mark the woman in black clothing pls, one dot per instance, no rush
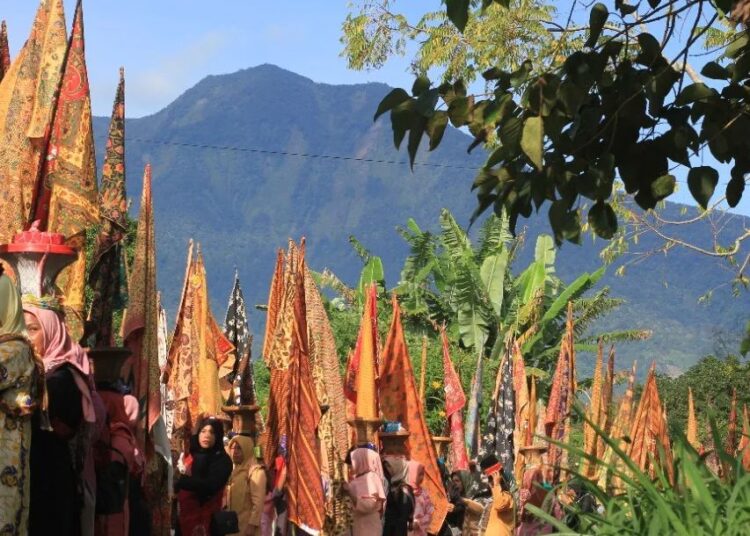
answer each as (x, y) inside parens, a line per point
(200, 489)
(399, 504)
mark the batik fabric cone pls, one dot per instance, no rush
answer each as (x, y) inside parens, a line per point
(4, 50)
(362, 374)
(303, 484)
(167, 407)
(68, 199)
(593, 414)
(497, 439)
(399, 401)
(197, 353)
(523, 422)
(237, 332)
(691, 431)
(557, 420)
(455, 400)
(743, 450)
(620, 428)
(278, 347)
(329, 389)
(28, 94)
(650, 445)
(140, 334)
(605, 416)
(106, 274)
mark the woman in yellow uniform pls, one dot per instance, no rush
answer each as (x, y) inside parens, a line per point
(500, 519)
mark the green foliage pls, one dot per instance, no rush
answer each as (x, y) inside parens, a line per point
(618, 108)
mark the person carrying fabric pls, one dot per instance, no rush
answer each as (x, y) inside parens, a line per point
(200, 488)
(61, 488)
(246, 489)
(500, 521)
(399, 506)
(423, 507)
(534, 490)
(367, 492)
(21, 393)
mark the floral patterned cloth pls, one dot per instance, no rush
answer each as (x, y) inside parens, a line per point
(18, 395)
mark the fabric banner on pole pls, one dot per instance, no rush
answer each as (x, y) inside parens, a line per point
(498, 433)
(455, 400)
(399, 401)
(4, 50)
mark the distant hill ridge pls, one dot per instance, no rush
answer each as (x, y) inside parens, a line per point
(243, 205)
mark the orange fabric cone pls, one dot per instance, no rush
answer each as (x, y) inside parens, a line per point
(649, 433)
(522, 421)
(593, 413)
(399, 401)
(4, 50)
(362, 377)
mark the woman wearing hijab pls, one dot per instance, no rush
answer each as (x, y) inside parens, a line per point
(59, 488)
(246, 490)
(423, 507)
(500, 520)
(399, 506)
(21, 389)
(366, 491)
(200, 488)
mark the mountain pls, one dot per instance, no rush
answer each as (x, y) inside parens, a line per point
(244, 201)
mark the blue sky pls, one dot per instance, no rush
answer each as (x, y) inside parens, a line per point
(166, 46)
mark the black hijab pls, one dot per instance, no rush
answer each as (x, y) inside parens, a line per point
(203, 458)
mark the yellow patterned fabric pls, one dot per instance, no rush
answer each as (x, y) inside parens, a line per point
(68, 198)
(27, 99)
(594, 411)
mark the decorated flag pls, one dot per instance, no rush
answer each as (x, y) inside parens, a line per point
(650, 445)
(105, 276)
(361, 382)
(498, 433)
(455, 400)
(167, 407)
(237, 332)
(140, 329)
(399, 402)
(593, 414)
(4, 51)
(692, 424)
(304, 487)
(275, 301)
(557, 420)
(329, 389)
(28, 97)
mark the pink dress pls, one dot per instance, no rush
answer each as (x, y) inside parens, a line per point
(423, 507)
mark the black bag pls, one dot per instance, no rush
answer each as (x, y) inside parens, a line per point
(224, 522)
(112, 482)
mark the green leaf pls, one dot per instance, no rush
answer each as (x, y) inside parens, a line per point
(714, 71)
(532, 140)
(372, 273)
(702, 182)
(426, 102)
(603, 220)
(663, 187)
(393, 99)
(492, 273)
(402, 117)
(623, 8)
(458, 12)
(521, 75)
(458, 111)
(565, 223)
(436, 128)
(694, 92)
(421, 84)
(735, 187)
(597, 19)
(418, 127)
(650, 49)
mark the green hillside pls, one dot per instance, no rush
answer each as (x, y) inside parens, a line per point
(241, 205)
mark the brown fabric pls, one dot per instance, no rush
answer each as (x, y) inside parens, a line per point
(27, 100)
(399, 401)
(275, 297)
(104, 278)
(593, 414)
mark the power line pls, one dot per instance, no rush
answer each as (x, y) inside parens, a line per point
(300, 155)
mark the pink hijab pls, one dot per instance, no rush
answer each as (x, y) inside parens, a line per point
(59, 349)
(413, 471)
(368, 473)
